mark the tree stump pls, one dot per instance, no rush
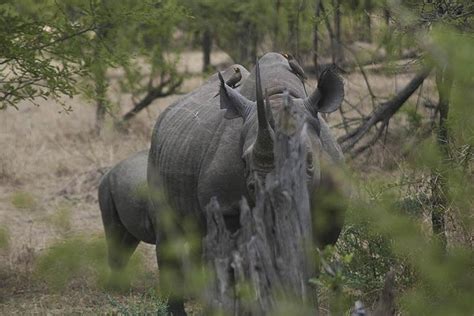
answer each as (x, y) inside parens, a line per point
(266, 265)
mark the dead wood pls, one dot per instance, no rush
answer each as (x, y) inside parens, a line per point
(267, 261)
(381, 114)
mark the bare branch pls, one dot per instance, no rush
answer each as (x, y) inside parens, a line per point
(383, 112)
(165, 88)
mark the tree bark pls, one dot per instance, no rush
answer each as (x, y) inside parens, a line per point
(100, 82)
(276, 27)
(317, 12)
(330, 32)
(292, 29)
(386, 15)
(339, 58)
(206, 49)
(266, 263)
(368, 22)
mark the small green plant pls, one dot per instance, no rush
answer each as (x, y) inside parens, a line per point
(148, 304)
(415, 119)
(4, 238)
(61, 219)
(23, 200)
(81, 258)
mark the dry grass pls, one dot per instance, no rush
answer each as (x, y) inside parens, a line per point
(50, 163)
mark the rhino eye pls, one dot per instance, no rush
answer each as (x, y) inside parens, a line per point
(251, 188)
(309, 160)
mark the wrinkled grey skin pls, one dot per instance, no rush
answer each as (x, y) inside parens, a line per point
(196, 154)
(123, 204)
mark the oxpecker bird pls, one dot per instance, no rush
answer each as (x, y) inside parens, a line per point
(296, 68)
(234, 79)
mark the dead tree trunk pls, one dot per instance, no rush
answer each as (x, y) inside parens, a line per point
(266, 263)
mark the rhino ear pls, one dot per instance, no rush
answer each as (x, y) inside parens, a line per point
(235, 104)
(329, 94)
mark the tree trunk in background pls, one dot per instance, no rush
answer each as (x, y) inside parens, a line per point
(254, 44)
(276, 27)
(330, 32)
(317, 11)
(444, 82)
(100, 81)
(292, 29)
(244, 42)
(339, 58)
(297, 29)
(368, 23)
(101, 101)
(386, 15)
(99, 71)
(206, 49)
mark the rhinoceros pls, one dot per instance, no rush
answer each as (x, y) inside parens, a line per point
(204, 147)
(124, 201)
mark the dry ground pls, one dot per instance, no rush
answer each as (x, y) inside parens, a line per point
(49, 165)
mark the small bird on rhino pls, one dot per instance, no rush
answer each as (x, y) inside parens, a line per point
(296, 68)
(234, 79)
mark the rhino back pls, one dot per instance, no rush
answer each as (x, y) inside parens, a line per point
(186, 139)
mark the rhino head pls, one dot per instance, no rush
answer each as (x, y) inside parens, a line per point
(282, 87)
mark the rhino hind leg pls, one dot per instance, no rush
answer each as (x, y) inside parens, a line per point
(120, 243)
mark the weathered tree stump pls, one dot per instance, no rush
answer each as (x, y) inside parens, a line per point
(267, 263)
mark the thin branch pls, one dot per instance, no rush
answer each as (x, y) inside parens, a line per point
(152, 94)
(366, 79)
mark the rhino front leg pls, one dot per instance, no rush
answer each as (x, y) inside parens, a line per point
(328, 203)
(166, 227)
(168, 269)
(170, 273)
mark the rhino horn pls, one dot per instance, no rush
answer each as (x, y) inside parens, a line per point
(328, 95)
(263, 148)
